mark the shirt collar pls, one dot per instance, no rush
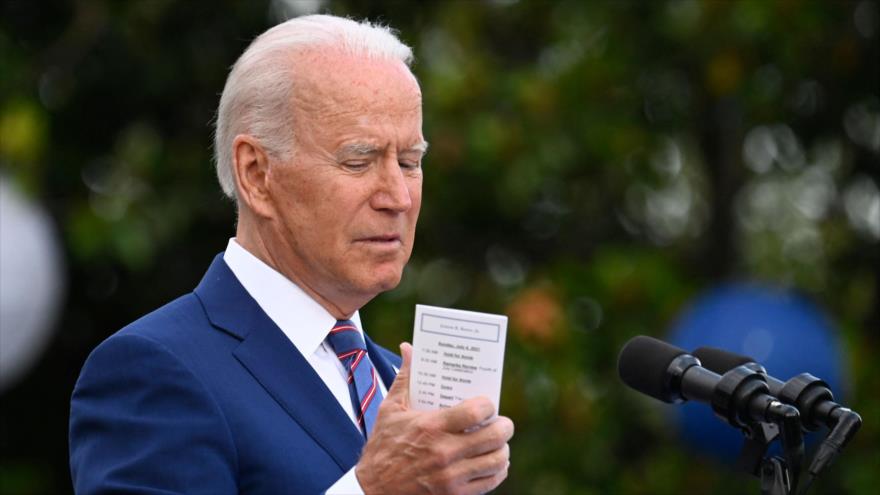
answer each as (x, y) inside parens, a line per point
(305, 322)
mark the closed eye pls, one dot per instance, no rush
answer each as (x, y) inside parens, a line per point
(356, 166)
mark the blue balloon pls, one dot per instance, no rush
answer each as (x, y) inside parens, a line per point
(780, 329)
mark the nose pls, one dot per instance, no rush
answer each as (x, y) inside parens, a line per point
(392, 190)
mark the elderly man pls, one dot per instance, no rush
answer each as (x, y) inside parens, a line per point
(261, 380)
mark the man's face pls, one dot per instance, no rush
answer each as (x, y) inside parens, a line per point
(347, 202)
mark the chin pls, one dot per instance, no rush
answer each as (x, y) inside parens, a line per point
(386, 280)
(389, 284)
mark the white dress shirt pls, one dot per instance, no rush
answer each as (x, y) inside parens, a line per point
(307, 324)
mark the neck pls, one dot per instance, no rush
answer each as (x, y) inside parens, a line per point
(253, 239)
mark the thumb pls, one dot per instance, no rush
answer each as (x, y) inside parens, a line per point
(399, 391)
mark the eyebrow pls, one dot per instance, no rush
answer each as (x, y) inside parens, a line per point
(357, 149)
(371, 149)
(421, 147)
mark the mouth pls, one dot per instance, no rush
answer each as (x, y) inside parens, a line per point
(381, 240)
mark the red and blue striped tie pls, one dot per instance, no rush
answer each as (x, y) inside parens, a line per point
(363, 383)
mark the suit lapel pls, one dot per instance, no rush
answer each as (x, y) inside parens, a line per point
(278, 366)
(292, 382)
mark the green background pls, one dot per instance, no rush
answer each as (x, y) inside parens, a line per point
(593, 167)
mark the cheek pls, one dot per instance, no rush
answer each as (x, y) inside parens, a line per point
(415, 195)
(298, 205)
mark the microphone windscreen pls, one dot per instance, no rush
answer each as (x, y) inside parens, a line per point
(643, 363)
(719, 360)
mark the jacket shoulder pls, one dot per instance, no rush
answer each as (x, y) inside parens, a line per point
(181, 329)
(137, 399)
(166, 323)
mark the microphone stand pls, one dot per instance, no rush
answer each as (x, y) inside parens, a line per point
(813, 399)
(740, 398)
(813, 395)
(772, 471)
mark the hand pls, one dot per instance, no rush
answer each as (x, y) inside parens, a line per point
(433, 451)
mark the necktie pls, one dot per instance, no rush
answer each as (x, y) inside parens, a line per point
(363, 384)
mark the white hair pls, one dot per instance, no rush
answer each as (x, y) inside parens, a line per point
(257, 98)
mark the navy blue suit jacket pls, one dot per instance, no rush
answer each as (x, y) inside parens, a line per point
(207, 395)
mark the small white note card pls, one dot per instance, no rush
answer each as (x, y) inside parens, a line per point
(456, 355)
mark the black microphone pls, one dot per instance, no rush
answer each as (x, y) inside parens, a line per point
(670, 374)
(739, 397)
(811, 396)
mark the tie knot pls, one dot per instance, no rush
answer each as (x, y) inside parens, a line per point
(345, 338)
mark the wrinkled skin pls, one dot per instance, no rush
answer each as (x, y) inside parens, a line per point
(439, 451)
(339, 217)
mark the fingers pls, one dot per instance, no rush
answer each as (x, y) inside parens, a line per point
(482, 473)
(467, 414)
(484, 465)
(406, 355)
(399, 391)
(462, 449)
(488, 483)
(489, 438)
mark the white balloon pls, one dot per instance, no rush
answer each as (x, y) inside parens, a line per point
(31, 283)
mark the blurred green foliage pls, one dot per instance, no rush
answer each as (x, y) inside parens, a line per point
(593, 166)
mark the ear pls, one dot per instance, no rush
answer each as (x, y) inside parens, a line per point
(251, 168)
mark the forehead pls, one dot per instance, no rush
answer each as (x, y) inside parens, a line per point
(335, 83)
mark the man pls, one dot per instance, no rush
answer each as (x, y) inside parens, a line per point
(261, 380)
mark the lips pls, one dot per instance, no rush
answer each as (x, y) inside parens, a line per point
(383, 238)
